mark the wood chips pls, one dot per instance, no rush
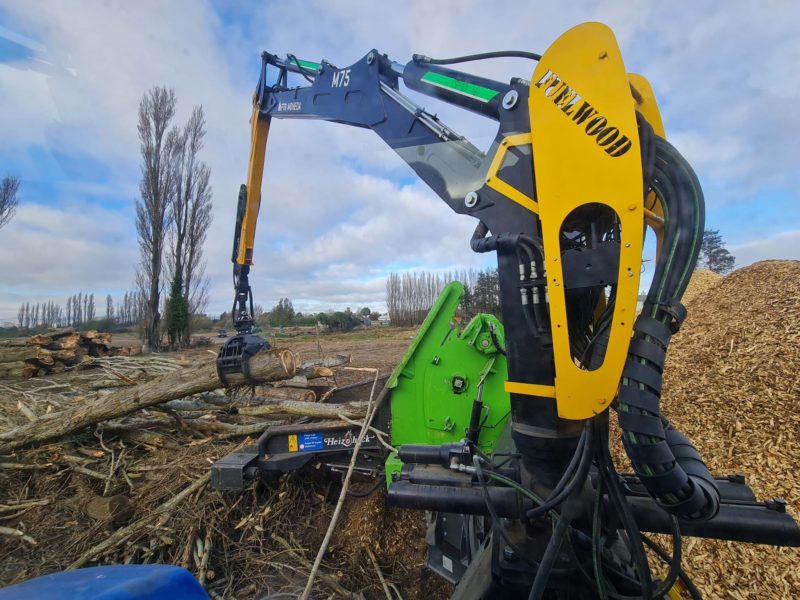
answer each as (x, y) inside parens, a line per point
(732, 384)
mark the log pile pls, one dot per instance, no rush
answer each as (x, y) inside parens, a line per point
(53, 352)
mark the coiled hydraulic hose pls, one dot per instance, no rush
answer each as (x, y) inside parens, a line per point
(664, 459)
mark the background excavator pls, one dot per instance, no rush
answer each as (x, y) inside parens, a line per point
(502, 428)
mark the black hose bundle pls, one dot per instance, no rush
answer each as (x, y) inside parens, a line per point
(663, 458)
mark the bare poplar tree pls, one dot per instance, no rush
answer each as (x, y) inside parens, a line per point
(9, 187)
(90, 308)
(191, 217)
(109, 307)
(157, 145)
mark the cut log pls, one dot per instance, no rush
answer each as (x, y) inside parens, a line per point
(13, 342)
(14, 354)
(352, 410)
(269, 365)
(311, 368)
(103, 338)
(47, 338)
(298, 381)
(10, 370)
(114, 509)
(67, 342)
(64, 355)
(285, 393)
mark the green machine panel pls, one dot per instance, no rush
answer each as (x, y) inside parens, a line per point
(435, 384)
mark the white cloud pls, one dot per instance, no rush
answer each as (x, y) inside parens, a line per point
(784, 245)
(50, 253)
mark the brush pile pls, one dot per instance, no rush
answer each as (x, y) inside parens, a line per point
(111, 466)
(53, 352)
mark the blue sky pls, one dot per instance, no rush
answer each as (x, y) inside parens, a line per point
(341, 210)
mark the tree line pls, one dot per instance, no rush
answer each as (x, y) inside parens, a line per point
(409, 296)
(80, 309)
(283, 314)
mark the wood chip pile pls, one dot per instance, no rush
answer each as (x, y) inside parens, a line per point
(53, 352)
(732, 384)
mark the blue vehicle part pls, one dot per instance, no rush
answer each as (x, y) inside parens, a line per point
(122, 582)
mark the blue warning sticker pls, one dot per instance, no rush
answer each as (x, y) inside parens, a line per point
(309, 441)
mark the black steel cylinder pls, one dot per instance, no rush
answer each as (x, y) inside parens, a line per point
(753, 523)
(478, 94)
(461, 500)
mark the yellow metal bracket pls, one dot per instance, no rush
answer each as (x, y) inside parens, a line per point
(493, 180)
(646, 104)
(586, 151)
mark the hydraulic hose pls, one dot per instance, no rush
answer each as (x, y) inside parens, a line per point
(664, 459)
(474, 57)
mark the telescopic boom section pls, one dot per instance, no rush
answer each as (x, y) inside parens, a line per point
(259, 130)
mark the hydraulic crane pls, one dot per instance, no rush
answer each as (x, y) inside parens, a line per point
(579, 168)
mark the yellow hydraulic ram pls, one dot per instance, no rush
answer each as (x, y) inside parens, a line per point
(259, 130)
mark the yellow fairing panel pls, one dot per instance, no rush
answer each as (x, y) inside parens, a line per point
(646, 102)
(259, 129)
(647, 105)
(586, 150)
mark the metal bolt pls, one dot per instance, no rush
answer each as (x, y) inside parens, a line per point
(471, 199)
(510, 99)
(630, 273)
(370, 58)
(627, 244)
(508, 553)
(485, 343)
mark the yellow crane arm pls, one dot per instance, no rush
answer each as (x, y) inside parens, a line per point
(259, 130)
